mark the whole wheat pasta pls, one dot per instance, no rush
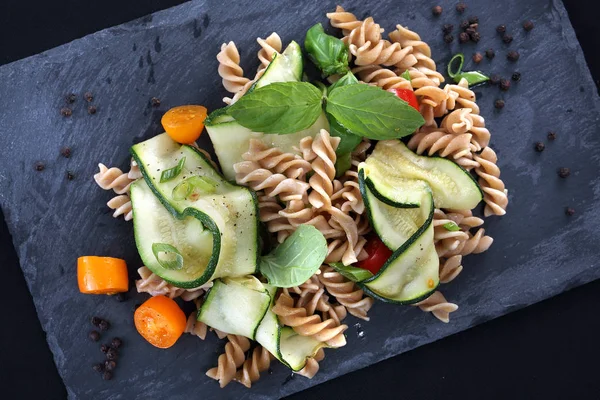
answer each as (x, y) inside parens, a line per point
(312, 365)
(432, 141)
(250, 174)
(268, 48)
(324, 147)
(367, 32)
(230, 360)
(268, 212)
(122, 206)
(344, 20)
(346, 292)
(230, 69)
(271, 158)
(495, 194)
(134, 171)
(193, 326)
(474, 244)
(296, 317)
(450, 268)
(382, 77)
(112, 178)
(380, 53)
(258, 362)
(438, 306)
(156, 286)
(458, 96)
(420, 50)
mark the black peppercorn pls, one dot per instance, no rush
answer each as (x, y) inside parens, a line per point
(551, 135)
(104, 348)
(94, 336)
(39, 166)
(448, 38)
(473, 19)
(464, 25)
(70, 98)
(539, 147)
(499, 104)
(461, 7)
(475, 36)
(96, 321)
(463, 37)
(477, 57)
(504, 84)
(70, 176)
(564, 172)
(490, 53)
(528, 25)
(65, 152)
(98, 367)
(116, 343)
(155, 101)
(447, 28)
(507, 39)
(112, 354)
(494, 79)
(569, 211)
(501, 28)
(92, 110)
(121, 297)
(103, 325)
(513, 55)
(110, 365)
(107, 375)
(437, 10)
(516, 76)
(66, 112)
(89, 97)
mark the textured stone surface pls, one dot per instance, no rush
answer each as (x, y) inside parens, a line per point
(538, 251)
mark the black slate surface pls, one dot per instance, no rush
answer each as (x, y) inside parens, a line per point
(538, 251)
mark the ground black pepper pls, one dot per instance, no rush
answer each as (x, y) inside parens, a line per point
(528, 26)
(464, 25)
(490, 53)
(501, 28)
(513, 55)
(70, 176)
(564, 172)
(96, 321)
(516, 76)
(103, 325)
(447, 28)
(569, 211)
(65, 152)
(463, 37)
(473, 19)
(110, 365)
(66, 112)
(477, 57)
(104, 348)
(39, 166)
(94, 336)
(475, 36)
(112, 354)
(107, 375)
(504, 84)
(539, 147)
(70, 98)
(92, 110)
(499, 104)
(98, 367)
(461, 7)
(155, 101)
(89, 97)
(116, 343)
(437, 10)
(448, 38)
(551, 135)
(507, 39)
(494, 79)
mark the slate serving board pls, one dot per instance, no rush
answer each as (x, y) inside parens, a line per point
(538, 251)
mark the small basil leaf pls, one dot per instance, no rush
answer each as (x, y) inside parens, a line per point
(406, 75)
(372, 112)
(348, 79)
(282, 107)
(327, 52)
(473, 77)
(348, 140)
(343, 163)
(353, 273)
(295, 260)
(166, 261)
(172, 173)
(461, 59)
(451, 226)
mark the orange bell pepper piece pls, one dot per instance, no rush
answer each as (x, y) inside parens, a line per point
(102, 275)
(160, 321)
(184, 124)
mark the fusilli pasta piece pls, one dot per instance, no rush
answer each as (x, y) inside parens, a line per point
(495, 194)
(324, 147)
(258, 362)
(419, 49)
(382, 77)
(474, 244)
(367, 32)
(431, 141)
(112, 178)
(122, 206)
(230, 361)
(268, 47)
(230, 69)
(271, 158)
(249, 173)
(312, 365)
(134, 171)
(346, 292)
(155, 286)
(305, 325)
(344, 20)
(438, 306)
(195, 327)
(450, 268)
(269, 212)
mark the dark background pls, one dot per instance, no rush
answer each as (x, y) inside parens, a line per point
(543, 351)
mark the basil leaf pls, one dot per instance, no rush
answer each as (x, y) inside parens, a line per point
(451, 226)
(327, 52)
(172, 173)
(192, 187)
(167, 262)
(282, 107)
(348, 141)
(348, 79)
(295, 260)
(461, 59)
(342, 164)
(372, 112)
(406, 75)
(353, 273)
(473, 77)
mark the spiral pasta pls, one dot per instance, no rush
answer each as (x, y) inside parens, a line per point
(296, 317)
(382, 77)
(321, 182)
(268, 47)
(113, 178)
(269, 212)
(312, 365)
(419, 49)
(195, 327)
(122, 206)
(258, 362)
(450, 268)
(344, 20)
(156, 286)
(271, 158)
(367, 32)
(250, 174)
(230, 69)
(346, 292)
(495, 194)
(458, 147)
(438, 306)
(230, 360)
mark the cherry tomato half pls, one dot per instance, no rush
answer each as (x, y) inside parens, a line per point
(408, 96)
(184, 124)
(378, 255)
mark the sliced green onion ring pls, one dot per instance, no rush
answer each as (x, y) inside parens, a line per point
(192, 187)
(461, 59)
(172, 173)
(472, 77)
(176, 264)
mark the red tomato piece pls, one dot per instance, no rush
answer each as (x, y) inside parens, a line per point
(378, 255)
(408, 96)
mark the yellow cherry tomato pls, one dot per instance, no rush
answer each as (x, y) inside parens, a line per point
(184, 124)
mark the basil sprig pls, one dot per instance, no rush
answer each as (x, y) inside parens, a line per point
(172, 258)
(371, 112)
(172, 173)
(282, 107)
(355, 274)
(472, 77)
(327, 52)
(295, 260)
